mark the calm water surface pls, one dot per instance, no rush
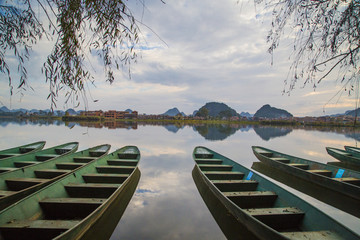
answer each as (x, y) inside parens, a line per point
(166, 204)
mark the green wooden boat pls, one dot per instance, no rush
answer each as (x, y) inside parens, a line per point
(344, 156)
(262, 209)
(336, 186)
(13, 163)
(17, 184)
(86, 204)
(20, 150)
(352, 149)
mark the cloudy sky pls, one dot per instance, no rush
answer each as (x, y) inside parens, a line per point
(193, 52)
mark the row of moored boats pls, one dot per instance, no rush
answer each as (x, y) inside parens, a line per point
(59, 193)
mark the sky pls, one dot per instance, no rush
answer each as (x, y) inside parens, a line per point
(192, 52)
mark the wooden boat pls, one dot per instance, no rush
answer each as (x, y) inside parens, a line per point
(20, 183)
(352, 149)
(20, 150)
(86, 204)
(344, 156)
(339, 187)
(13, 163)
(261, 209)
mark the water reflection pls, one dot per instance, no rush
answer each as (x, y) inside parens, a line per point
(266, 133)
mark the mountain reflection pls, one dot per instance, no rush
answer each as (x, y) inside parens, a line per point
(267, 133)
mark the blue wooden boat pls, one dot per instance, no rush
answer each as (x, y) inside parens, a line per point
(17, 184)
(336, 186)
(262, 209)
(21, 161)
(23, 149)
(86, 204)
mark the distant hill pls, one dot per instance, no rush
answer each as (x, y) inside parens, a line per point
(215, 109)
(128, 110)
(246, 114)
(269, 112)
(173, 112)
(352, 112)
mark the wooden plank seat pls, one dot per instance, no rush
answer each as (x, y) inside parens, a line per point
(83, 159)
(299, 165)
(252, 199)
(350, 180)
(35, 229)
(69, 208)
(44, 157)
(222, 175)
(4, 193)
(208, 161)
(90, 190)
(97, 153)
(325, 173)
(127, 155)
(281, 159)
(17, 184)
(7, 169)
(265, 153)
(235, 185)
(215, 167)
(24, 163)
(115, 169)
(320, 235)
(278, 218)
(122, 162)
(27, 149)
(69, 165)
(104, 178)
(50, 173)
(6, 155)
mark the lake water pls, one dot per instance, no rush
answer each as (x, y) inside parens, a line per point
(166, 204)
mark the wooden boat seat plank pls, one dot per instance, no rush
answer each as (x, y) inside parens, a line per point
(24, 163)
(69, 208)
(6, 155)
(105, 178)
(91, 190)
(252, 199)
(299, 165)
(326, 173)
(17, 184)
(224, 175)
(350, 180)
(122, 162)
(215, 167)
(319, 235)
(44, 157)
(235, 185)
(278, 218)
(208, 161)
(280, 159)
(69, 165)
(115, 169)
(50, 173)
(83, 159)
